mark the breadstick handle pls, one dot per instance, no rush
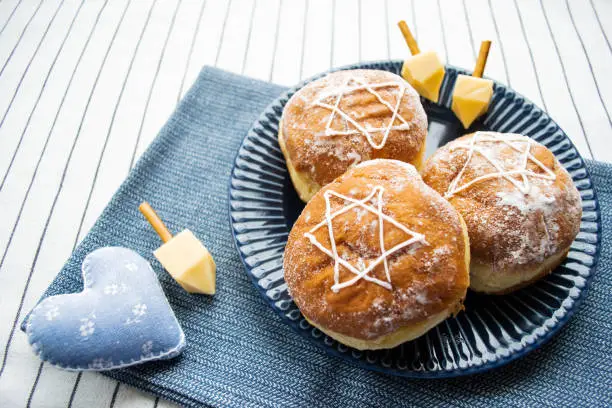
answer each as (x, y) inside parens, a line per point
(156, 222)
(483, 54)
(412, 44)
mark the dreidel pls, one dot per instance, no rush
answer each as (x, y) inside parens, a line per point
(183, 256)
(423, 70)
(472, 94)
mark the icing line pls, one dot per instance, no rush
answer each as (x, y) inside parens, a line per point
(472, 148)
(367, 132)
(378, 191)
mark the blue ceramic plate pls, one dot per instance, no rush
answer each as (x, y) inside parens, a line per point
(493, 330)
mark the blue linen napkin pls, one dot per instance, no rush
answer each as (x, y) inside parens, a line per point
(239, 352)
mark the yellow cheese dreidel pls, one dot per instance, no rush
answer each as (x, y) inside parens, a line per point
(183, 256)
(423, 70)
(472, 94)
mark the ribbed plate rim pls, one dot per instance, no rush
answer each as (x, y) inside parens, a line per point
(442, 373)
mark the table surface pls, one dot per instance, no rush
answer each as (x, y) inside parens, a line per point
(85, 86)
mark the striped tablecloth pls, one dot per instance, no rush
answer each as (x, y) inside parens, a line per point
(85, 86)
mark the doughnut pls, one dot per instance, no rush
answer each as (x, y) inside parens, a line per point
(346, 118)
(520, 205)
(377, 258)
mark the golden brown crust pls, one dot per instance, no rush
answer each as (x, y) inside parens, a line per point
(510, 232)
(319, 159)
(304, 185)
(427, 279)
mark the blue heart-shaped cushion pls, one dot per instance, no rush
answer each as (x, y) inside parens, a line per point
(121, 317)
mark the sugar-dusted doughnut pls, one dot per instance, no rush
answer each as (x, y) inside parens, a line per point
(377, 257)
(348, 117)
(519, 203)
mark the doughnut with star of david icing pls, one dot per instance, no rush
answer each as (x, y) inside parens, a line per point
(519, 203)
(348, 117)
(377, 257)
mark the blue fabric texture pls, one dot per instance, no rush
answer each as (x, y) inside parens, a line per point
(239, 351)
(121, 318)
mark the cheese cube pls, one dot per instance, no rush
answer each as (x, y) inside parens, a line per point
(471, 98)
(189, 263)
(425, 73)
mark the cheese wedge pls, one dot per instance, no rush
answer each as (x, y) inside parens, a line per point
(471, 98)
(425, 73)
(189, 263)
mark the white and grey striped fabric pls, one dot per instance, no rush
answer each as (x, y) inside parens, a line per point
(85, 86)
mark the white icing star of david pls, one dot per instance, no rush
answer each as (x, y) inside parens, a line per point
(352, 85)
(521, 144)
(363, 271)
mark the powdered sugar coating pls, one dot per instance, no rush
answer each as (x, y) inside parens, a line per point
(514, 168)
(349, 117)
(354, 84)
(513, 224)
(371, 203)
(427, 278)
